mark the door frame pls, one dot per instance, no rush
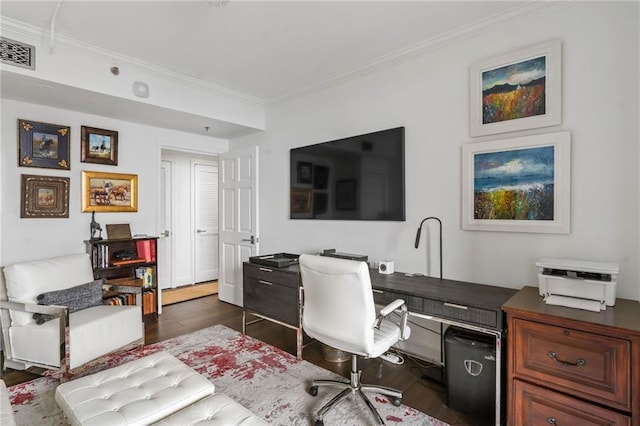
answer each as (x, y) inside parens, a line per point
(159, 155)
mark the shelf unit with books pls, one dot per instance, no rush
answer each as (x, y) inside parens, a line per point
(129, 267)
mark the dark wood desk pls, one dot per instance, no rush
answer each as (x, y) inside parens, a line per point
(275, 294)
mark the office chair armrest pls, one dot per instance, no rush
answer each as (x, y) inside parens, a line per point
(391, 307)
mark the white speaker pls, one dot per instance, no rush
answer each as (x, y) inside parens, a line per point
(385, 267)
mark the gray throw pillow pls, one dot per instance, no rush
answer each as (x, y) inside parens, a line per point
(74, 298)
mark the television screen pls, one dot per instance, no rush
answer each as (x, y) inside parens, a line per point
(355, 178)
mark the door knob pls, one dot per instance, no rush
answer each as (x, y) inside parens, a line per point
(252, 239)
(164, 234)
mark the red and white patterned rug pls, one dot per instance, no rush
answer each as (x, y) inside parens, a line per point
(268, 381)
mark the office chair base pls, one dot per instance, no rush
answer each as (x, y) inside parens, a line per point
(353, 387)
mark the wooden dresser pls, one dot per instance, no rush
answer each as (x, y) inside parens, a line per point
(572, 367)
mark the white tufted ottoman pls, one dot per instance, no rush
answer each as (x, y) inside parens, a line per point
(217, 409)
(139, 392)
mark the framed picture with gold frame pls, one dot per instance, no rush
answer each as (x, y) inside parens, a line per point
(43, 145)
(44, 197)
(109, 192)
(300, 200)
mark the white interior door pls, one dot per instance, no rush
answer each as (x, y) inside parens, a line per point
(206, 222)
(238, 194)
(165, 258)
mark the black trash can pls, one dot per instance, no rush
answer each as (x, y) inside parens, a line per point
(470, 365)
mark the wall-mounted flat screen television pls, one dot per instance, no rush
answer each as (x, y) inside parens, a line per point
(355, 178)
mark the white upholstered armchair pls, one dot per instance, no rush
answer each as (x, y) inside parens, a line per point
(50, 335)
(339, 311)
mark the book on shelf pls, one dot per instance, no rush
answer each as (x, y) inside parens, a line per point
(128, 261)
(147, 249)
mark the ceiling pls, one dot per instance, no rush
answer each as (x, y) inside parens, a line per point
(266, 50)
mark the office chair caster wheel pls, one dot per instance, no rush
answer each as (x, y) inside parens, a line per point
(313, 391)
(396, 402)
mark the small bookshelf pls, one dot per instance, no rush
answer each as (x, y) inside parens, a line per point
(129, 267)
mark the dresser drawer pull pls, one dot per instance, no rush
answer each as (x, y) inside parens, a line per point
(578, 363)
(551, 420)
(266, 270)
(265, 282)
(377, 291)
(453, 305)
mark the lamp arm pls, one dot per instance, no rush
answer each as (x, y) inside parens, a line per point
(417, 243)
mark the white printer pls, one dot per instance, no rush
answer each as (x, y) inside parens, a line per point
(577, 283)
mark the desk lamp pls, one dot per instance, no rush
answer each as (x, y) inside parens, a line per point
(420, 231)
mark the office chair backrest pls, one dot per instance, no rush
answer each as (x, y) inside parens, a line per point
(338, 303)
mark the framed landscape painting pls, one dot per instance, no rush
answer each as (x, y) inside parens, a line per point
(517, 185)
(517, 91)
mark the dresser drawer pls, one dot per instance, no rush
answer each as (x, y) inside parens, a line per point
(534, 405)
(272, 275)
(586, 365)
(272, 300)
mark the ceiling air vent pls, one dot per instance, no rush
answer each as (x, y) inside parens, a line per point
(18, 54)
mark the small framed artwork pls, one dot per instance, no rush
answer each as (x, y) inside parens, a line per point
(517, 91)
(43, 145)
(320, 177)
(517, 185)
(44, 197)
(109, 192)
(346, 194)
(300, 200)
(320, 203)
(99, 146)
(305, 172)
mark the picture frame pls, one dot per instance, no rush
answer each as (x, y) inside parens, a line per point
(109, 192)
(320, 177)
(44, 197)
(346, 194)
(518, 185)
(300, 200)
(305, 172)
(517, 91)
(99, 146)
(43, 145)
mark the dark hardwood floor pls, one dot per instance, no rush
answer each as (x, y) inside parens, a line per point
(422, 394)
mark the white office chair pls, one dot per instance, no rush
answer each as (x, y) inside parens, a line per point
(339, 311)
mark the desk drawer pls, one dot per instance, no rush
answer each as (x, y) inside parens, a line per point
(272, 300)
(414, 304)
(467, 314)
(586, 365)
(533, 405)
(272, 275)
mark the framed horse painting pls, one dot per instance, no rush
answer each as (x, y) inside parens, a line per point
(109, 192)
(99, 146)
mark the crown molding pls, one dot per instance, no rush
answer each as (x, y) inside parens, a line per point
(528, 11)
(26, 33)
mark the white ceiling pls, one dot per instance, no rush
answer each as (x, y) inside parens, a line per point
(265, 49)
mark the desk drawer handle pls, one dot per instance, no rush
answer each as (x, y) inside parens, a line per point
(265, 282)
(378, 291)
(453, 305)
(266, 270)
(578, 363)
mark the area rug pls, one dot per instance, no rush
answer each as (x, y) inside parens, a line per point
(268, 381)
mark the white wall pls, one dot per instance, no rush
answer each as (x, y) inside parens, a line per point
(429, 96)
(138, 153)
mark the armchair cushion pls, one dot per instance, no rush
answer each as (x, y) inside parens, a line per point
(26, 280)
(75, 298)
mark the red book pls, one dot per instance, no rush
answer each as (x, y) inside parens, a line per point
(147, 250)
